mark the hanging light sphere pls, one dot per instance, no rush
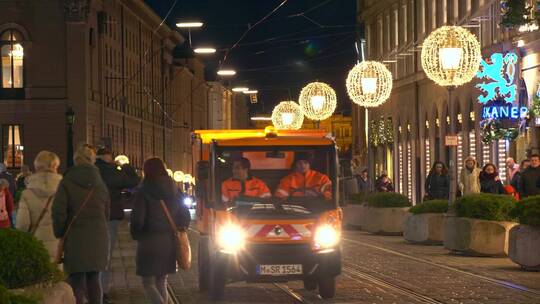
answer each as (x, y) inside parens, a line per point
(369, 84)
(318, 101)
(451, 56)
(287, 115)
(178, 176)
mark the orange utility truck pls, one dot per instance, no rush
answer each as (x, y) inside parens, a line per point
(277, 237)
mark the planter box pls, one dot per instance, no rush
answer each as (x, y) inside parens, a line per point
(476, 237)
(524, 247)
(424, 228)
(353, 215)
(386, 221)
(59, 293)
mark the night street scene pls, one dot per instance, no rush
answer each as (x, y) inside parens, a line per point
(270, 151)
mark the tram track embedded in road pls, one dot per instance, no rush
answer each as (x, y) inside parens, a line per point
(173, 299)
(298, 298)
(508, 285)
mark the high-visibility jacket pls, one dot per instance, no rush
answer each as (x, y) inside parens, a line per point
(311, 183)
(254, 187)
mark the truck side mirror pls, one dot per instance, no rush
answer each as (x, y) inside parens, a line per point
(203, 167)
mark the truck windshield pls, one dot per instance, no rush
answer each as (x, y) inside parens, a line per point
(277, 174)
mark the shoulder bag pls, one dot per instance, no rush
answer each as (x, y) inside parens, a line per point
(59, 259)
(183, 249)
(41, 215)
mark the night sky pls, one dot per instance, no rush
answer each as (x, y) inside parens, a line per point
(303, 41)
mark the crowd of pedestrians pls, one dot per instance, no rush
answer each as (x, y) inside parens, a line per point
(76, 215)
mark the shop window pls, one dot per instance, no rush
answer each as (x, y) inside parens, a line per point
(12, 63)
(486, 153)
(12, 146)
(428, 155)
(460, 152)
(501, 158)
(472, 144)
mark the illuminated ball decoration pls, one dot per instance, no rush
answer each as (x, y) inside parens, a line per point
(318, 101)
(178, 176)
(369, 84)
(121, 160)
(451, 56)
(287, 115)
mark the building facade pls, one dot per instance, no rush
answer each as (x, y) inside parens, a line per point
(111, 62)
(407, 133)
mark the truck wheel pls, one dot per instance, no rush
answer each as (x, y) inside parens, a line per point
(327, 287)
(218, 279)
(310, 284)
(203, 263)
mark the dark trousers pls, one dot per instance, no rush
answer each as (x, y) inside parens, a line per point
(86, 284)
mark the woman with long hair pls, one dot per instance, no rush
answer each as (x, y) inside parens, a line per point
(156, 252)
(437, 184)
(490, 181)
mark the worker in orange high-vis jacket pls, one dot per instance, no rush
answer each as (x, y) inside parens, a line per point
(242, 183)
(304, 181)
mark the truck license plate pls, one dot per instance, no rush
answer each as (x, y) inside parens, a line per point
(276, 270)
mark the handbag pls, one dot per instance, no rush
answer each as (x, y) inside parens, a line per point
(59, 259)
(183, 249)
(41, 216)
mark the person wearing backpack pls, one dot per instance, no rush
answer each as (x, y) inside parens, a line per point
(6, 205)
(80, 213)
(34, 214)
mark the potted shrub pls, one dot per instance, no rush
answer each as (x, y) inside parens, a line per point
(26, 270)
(481, 225)
(386, 213)
(424, 224)
(524, 247)
(353, 213)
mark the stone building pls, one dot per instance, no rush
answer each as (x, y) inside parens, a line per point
(112, 63)
(417, 111)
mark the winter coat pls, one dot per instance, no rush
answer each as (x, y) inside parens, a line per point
(149, 226)
(488, 184)
(381, 186)
(363, 185)
(12, 184)
(469, 181)
(437, 186)
(516, 180)
(529, 183)
(39, 188)
(116, 181)
(87, 244)
(6, 209)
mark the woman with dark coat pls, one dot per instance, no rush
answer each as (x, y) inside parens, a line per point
(86, 246)
(490, 181)
(384, 184)
(437, 184)
(156, 253)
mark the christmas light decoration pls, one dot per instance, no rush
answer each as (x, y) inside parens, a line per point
(318, 101)
(369, 84)
(451, 56)
(287, 115)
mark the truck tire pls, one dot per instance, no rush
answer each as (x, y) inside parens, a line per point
(327, 287)
(203, 263)
(310, 284)
(218, 279)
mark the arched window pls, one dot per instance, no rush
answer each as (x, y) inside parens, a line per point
(12, 53)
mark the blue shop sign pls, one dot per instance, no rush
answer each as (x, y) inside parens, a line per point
(504, 112)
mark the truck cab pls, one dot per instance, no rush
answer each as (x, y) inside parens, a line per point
(275, 238)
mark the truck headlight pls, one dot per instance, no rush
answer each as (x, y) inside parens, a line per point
(326, 236)
(231, 238)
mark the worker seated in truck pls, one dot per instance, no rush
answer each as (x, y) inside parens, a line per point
(242, 183)
(304, 181)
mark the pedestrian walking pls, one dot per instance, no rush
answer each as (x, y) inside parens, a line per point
(82, 203)
(384, 184)
(469, 181)
(116, 178)
(529, 183)
(511, 168)
(156, 253)
(6, 205)
(9, 177)
(362, 181)
(437, 184)
(516, 179)
(490, 181)
(21, 177)
(34, 214)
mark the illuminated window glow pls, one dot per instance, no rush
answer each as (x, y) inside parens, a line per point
(409, 172)
(400, 153)
(460, 152)
(428, 155)
(501, 153)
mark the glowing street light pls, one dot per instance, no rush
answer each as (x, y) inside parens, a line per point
(251, 92)
(240, 89)
(369, 84)
(189, 24)
(204, 50)
(226, 72)
(287, 115)
(121, 160)
(318, 101)
(178, 176)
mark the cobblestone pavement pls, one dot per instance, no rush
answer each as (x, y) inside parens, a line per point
(376, 269)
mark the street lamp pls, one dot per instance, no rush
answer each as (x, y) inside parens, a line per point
(369, 84)
(226, 72)
(318, 101)
(451, 57)
(70, 120)
(204, 50)
(240, 89)
(287, 115)
(121, 160)
(178, 176)
(189, 25)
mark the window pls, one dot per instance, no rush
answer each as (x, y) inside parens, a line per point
(12, 53)
(12, 146)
